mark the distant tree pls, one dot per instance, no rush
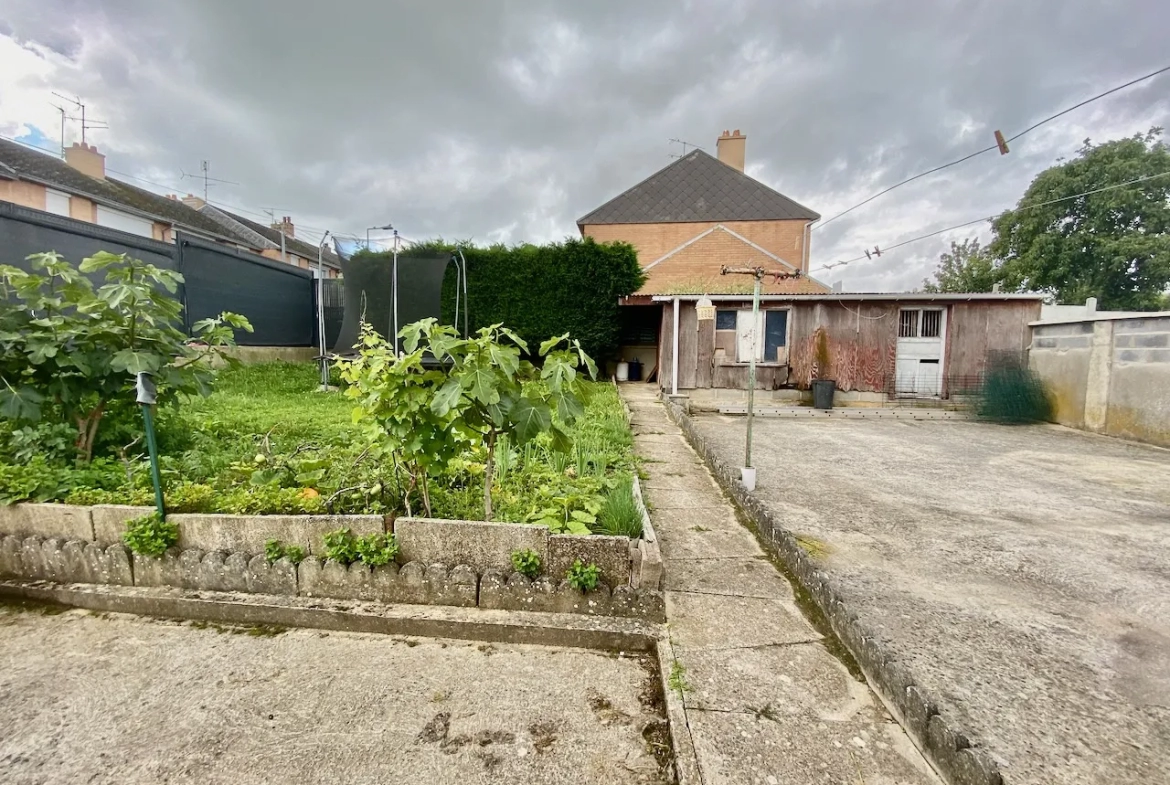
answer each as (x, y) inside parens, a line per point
(968, 267)
(1113, 245)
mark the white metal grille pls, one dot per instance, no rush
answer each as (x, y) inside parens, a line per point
(931, 323)
(908, 324)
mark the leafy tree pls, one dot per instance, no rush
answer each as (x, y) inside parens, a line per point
(445, 393)
(70, 350)
(968, 267)
(1113, 245)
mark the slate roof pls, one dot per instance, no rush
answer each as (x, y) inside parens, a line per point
(698, 187)
(292, 245)
(25, 163)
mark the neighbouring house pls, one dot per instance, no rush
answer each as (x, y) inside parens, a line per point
(79, 187)
(692, 328)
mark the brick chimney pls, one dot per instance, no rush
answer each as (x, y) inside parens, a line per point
(193, 201)
(285, 227)
(86, 159)
(730, 148)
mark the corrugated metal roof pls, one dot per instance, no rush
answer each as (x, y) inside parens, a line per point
(698, 187)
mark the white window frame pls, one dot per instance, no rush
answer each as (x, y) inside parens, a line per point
(57, 202)
(743, 334)
(124, 222)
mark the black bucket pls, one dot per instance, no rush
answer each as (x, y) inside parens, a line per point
(822, 390)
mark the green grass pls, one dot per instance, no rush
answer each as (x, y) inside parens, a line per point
(619, 514)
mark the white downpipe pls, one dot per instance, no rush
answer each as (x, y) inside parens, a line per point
(674, 353)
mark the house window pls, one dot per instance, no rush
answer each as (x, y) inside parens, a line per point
(920, 323)
(56, 202)
(725, 319)
(124, 222)
(768, 341)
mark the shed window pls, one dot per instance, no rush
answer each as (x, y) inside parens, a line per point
(725, 319)
(920, 323)
(930, 323)
(766, 336)
(908, 324)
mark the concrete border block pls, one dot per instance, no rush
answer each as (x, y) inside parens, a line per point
(190, 568)
(593, 603)
(479, 544)
(493, 587)
(113, 564)
(62, 521)
(53, 560)
(164, 570)
(76, 568)
(248, 533)
(11, 560)
(31, 559)
(384, 586)
(212, 576)
(611, 554)
(109, 520)
(279, 577)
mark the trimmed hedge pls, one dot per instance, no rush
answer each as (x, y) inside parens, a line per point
(545, 290)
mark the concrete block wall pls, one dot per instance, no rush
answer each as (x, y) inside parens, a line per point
(32, 558)
(1109, 375)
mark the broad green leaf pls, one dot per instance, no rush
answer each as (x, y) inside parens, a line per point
(447, 397)
(100, 261)
(529, 419)
(20, 403)
(506, 358)
(568, 405)
(481, 384)
(548, 345)
(135, 361)
(560, 439)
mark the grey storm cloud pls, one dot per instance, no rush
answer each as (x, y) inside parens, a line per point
(508, 120)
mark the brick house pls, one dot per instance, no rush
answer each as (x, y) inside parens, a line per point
(79, 187)
(691, 218)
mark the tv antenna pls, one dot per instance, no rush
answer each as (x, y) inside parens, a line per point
(205, 176)
(86, 124)
(685, 145)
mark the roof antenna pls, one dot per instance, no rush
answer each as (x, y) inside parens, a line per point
(685, 145)
(85, 124)
(205, 169)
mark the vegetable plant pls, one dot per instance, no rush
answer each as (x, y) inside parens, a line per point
(72, 350)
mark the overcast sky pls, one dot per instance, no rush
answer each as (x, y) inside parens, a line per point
(509, 120)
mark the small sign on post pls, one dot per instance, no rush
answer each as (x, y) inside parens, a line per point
(147, 396)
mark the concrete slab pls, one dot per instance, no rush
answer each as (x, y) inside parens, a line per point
(688, 499)
(742, 576)
(707, 621)
(791, 680)
(133, 700)
(482, 545)
(685, 477)
(1020, 574)
(706, 539)
(740, 748)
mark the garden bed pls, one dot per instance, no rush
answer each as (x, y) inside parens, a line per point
(266, 443)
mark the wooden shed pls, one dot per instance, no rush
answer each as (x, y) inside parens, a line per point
(880, 345)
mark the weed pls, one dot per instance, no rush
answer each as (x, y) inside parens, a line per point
(150, 535)
(273, 551)
(341, 546)
(527, 562)
(678, 678)
(765, 712)
(583, 578)
(377, 549)
(295, 553)
(699, 528)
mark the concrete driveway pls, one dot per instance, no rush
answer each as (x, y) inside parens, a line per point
(123, 699)
(1022, 573)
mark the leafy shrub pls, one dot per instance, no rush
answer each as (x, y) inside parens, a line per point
(150, 535)
(619, 514)
(526, 562)
(377, 549)
(341, 546)
(583, 578)
(295, 553)
(71, 351)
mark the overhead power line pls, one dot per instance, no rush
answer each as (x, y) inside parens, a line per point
(989, 149)
(889, 248)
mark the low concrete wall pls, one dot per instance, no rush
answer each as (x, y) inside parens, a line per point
(74, 561)
(1109, 374)
(482, 546)
(948, 747)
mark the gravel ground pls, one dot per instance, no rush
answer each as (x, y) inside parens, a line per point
(88, 698)
(1023, 573)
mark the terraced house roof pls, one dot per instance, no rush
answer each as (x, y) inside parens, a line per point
(698, 187)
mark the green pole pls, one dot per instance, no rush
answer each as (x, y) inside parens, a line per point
(152, 447)
(756, 337)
